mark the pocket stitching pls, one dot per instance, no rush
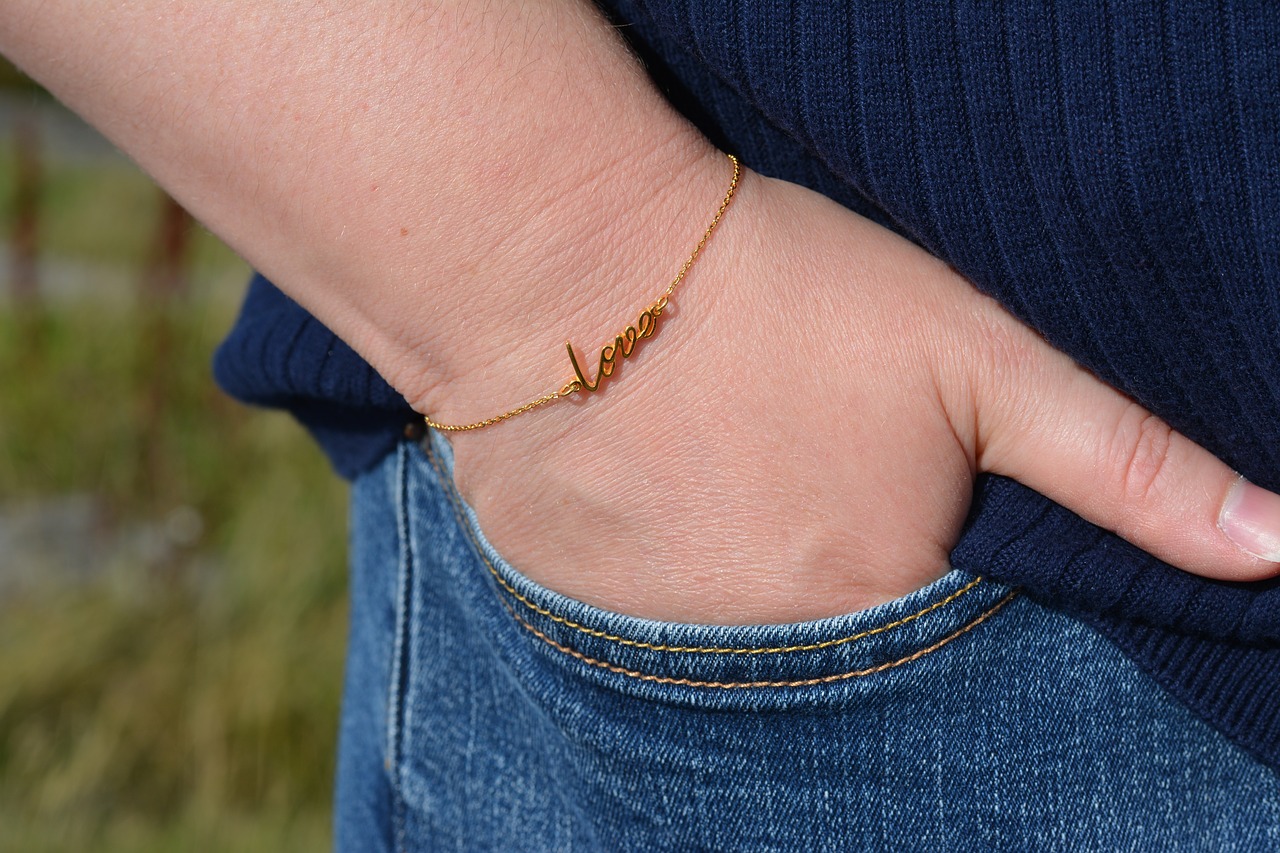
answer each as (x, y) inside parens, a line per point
(740, 685)
(727, 650)
(455, 501)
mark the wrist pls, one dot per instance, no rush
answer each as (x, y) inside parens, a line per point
(672, 379)
(586, 267)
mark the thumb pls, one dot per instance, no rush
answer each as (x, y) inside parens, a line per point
(1046, 422)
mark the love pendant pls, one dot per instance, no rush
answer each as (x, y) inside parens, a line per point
(623, 346)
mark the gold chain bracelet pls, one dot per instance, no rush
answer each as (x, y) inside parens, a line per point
(623, 344)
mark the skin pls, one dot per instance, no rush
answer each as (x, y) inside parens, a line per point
(458, 187)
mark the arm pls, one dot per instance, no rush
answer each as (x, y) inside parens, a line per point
(423, 177)
(459, 188)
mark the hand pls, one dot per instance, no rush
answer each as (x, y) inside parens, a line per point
(800, 438)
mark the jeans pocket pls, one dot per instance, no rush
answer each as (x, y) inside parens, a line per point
(547, 635)
(958, 717)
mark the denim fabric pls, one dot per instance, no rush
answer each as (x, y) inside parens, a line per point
(484, 712)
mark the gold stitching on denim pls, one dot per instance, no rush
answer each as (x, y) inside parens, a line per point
(739, 685)
(731, 650)
(455, 502)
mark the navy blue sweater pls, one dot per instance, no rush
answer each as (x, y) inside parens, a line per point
(1108, 170)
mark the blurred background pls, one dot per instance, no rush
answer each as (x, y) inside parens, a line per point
(172, 588)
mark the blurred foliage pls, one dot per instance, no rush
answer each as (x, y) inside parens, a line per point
(192, 700)
(185, 700)
(190, 704)
(13, 80)
(103, 212)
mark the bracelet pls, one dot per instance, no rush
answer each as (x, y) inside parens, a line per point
(623, 344)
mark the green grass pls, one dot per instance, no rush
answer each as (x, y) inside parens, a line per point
(189, 704)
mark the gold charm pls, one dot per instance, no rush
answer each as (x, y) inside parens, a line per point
(624, 344)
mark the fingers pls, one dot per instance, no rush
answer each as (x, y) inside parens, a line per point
(1049, 424)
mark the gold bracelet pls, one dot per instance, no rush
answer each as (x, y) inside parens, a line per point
(623, 344)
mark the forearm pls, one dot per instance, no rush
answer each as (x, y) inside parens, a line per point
(434, 182)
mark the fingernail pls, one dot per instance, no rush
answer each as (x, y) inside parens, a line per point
(1251, 518)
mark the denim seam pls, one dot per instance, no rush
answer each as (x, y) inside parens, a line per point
(728, 650)
(740, 685)
(398, 685)
(455, 502)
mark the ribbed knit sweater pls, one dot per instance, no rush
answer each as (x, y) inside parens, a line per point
(1108, 170)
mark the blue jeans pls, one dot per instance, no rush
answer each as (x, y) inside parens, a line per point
(483, 712)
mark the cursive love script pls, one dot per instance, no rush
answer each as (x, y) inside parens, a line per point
(623, 345)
